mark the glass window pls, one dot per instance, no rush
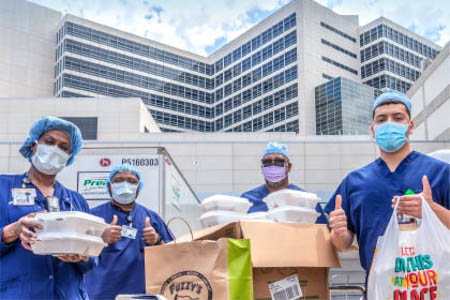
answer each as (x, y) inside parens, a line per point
(256, 74)
(237, 70)
(236, 54)
(256, 58)
(227, 75)
(246, 64)
(227, 60)
(246, 48)
(266, 36)
(267, 52)
(256, 42)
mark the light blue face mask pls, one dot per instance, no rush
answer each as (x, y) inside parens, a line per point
(124, 192)
(391, 136)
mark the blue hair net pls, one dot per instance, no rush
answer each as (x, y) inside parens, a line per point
(51, 123)
(120, 168)
(274, 147)
(392, 95)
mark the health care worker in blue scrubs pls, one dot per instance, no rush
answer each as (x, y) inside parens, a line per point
(275, 167)
(121, 264)
(52, 144)
(363, 203)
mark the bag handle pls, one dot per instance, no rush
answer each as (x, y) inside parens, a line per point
(185, 222)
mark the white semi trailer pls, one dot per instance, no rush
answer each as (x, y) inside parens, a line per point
(165, 189)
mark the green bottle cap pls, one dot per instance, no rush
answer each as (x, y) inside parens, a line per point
(409, 192)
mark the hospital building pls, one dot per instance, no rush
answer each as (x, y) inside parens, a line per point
(304, 69)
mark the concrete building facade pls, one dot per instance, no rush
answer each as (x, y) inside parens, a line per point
(430, 97)
(27, 49)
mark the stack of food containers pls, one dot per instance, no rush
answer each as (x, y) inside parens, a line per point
(69, 232)
(221, 209)
(292, 206)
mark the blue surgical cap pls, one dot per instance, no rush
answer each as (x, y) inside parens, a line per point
(53, 123)
(128, 168)
(274, 147)
(392, 95)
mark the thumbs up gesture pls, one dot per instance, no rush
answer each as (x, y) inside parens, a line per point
(113, 232)
(412, 204)
(151, 237)
(338, 219)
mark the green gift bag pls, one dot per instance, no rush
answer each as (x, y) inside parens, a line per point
(200, 270)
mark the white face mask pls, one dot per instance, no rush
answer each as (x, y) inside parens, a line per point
(49, 159)
(124, 192)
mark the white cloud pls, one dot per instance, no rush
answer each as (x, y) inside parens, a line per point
(195, 25)
(189, 25)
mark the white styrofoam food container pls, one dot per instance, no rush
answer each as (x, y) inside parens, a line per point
(63, 243)
(69, 232)
(257, 216)
(293, 214)
(216, 217)
(73, 222)
(225, 202)
(289, 197)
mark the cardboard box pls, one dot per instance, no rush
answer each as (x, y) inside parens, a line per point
(313, 281)
(279, 250)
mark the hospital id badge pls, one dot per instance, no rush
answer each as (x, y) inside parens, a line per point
(129, 232)
(23, 197)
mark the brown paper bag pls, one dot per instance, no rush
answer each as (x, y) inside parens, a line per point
(200, 270)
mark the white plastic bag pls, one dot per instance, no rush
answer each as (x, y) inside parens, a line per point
(410, 265)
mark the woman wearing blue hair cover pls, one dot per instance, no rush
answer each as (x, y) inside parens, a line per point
(52, 144)
(120, 267)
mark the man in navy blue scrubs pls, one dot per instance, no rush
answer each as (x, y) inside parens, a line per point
(363, 202)
(52, 144)
(275, 167)
(120, 267)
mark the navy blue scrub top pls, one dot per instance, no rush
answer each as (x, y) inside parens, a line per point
(257, 195)
(367, 195)
(120, 267)
(24, 275)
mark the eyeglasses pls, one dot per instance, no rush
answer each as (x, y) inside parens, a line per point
(278, 162)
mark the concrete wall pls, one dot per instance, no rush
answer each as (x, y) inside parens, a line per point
(430, 97)
(27, 49)
(118, 118)
(310, 52)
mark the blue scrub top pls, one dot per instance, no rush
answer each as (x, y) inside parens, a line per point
(121, 268)
(24, 275)
(257, 195)
(367, 195)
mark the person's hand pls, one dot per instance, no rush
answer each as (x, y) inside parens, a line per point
(72, 258)
(22, 229)
(113, 232)
(412, 204)
(150, 235)
(338, 219)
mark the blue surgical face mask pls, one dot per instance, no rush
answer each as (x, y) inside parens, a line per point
(124, 192)
(391, 136)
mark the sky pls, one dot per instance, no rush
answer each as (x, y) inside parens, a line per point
(203, 26)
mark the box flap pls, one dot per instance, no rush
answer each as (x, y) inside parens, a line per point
(278, 244)
(229, 230)
(290, 244)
